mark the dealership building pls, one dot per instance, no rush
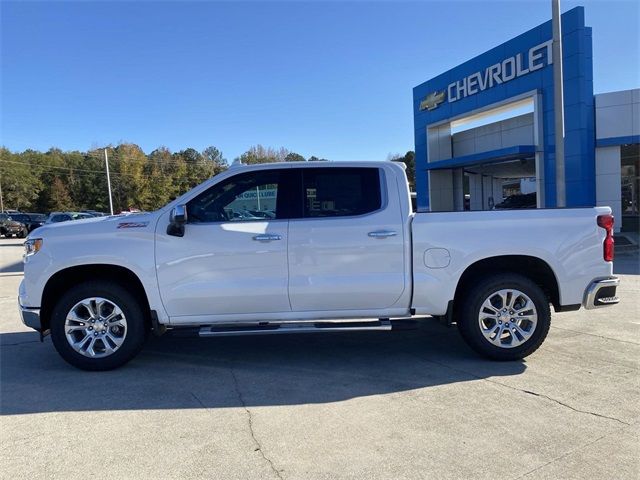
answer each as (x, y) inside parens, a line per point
(484, 130)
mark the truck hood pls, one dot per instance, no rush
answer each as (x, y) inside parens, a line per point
(98, 225)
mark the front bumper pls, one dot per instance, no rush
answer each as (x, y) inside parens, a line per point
(31, 317)
(601, 293)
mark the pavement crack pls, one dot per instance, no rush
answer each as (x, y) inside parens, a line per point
(535, 394)
(595, 335)
(566, 454)
(250, 425)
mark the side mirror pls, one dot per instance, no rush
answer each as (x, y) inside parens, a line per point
(177, 220)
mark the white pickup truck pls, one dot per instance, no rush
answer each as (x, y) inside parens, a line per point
(311, 247)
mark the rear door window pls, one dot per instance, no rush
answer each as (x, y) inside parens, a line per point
(340, 192)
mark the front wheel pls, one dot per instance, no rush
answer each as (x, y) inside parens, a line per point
(504, 317)
(98, 326)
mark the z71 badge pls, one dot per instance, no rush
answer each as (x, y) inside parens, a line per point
(133, 224)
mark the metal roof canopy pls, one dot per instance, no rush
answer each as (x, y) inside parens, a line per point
(516, 152)
(507, 170)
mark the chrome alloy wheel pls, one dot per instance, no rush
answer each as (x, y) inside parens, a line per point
(508, 318)
(95, 327)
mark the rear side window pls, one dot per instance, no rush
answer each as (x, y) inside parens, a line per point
(340, 192)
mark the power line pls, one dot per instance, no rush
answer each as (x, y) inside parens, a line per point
(51, 166)
(73, 170)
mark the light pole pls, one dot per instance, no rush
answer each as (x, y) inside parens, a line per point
(1, 200)
(106, 161)
(558, 102)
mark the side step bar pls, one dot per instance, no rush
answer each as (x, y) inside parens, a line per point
(279, 328)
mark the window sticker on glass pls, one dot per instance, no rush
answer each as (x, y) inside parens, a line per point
(341, 192)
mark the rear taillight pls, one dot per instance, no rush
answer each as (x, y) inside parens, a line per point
(606, 222)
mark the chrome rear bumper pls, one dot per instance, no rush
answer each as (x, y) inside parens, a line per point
(601, 293)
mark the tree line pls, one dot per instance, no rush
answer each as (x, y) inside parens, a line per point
(58, 180)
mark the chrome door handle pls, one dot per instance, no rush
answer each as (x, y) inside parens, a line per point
(267, 237)
(382, 234)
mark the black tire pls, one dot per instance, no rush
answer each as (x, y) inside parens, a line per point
(22, 234)
(130, 306)
(467, 316)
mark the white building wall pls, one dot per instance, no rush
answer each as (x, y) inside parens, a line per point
(608, 181)
(475, 192)
(505, 133)
(497, 190)
(458, 189)
(618, 114)
(440, 181)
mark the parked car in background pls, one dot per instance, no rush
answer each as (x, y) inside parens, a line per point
(31, 220)
(57, 217)
(263, 214)
(527, 200)
(10, 227)
(94, 213)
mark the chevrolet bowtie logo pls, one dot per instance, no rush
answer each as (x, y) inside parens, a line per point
(432, 100)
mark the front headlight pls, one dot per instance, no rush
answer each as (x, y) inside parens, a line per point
(32, 246)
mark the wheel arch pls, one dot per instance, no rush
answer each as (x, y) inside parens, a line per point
(533, 268)
(69, 277)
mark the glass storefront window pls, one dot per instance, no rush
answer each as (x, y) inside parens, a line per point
(630, 186)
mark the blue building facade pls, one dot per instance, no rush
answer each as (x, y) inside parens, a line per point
(519, 70)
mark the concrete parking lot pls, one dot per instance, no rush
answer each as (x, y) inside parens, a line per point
(403, 404)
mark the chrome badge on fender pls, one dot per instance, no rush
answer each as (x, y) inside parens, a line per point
(133, 224)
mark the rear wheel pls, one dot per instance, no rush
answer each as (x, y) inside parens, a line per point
(98, 326)
(504, 317)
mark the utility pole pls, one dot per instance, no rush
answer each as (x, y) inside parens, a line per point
(558, 102)
(106, 161)
(1, 200)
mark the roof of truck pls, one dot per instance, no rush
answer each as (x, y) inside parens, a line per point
(315, 164)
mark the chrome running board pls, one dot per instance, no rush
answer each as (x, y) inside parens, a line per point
(269, 328)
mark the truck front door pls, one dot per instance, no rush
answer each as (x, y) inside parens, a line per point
(232, 258)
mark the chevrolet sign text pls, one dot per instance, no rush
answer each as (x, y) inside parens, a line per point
(502, 72)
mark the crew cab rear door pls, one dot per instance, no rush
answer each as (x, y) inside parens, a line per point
(346, 248)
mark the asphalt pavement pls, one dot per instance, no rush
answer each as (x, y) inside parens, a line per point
(413, 403)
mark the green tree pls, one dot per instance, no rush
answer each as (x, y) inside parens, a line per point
(130, 185)
(92, 192)
(260, 154)
(58, 180)
(410, 161)
(21, 186)
(216, 160)
(59, 197)
(294, 157)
